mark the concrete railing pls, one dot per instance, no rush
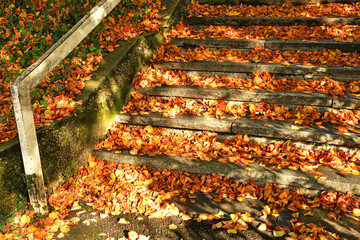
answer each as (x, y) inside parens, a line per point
(28, 80)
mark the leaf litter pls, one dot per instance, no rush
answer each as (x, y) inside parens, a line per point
(150, 192)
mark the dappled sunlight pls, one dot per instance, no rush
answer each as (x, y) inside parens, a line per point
(152, 77)
(326, 57)
(299, 115)
(348, 33)
(121, 188)
(272, 10)
(205, 146)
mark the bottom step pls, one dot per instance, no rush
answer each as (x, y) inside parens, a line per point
(261, 175)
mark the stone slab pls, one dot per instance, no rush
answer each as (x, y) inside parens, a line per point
(270, 44)
(270, 21)
(348, 101)
(285, 130)
(185, 121)
(278, 97)
(283, 177)
(336, 72)
(268, 2)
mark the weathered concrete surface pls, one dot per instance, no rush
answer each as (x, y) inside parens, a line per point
(280, 129)
(270, 21)
(268, 2)
(337, 73)
(286, 178)
(348, 101)
(185, 121)
(277, 97)
(302, 45)
(253, 127)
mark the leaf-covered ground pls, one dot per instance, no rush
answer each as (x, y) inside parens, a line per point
(285, 10)
(259, 54)
(152, 77)
(303, 116)
(206, 146)
(117, 188)
(28, 28)
(348, 33)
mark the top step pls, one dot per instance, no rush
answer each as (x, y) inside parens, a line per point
(268, 2)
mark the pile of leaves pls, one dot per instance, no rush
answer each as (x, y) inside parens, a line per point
(116, 188)
(285, 10)
(152, 77)
(306, 116)
(259, 54)
(29, 28)
(206, 146)
(348, 33)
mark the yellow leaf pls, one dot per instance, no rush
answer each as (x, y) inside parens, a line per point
(248, 169)
(48, 113)
(149, 129)
(218, 225)
(279, 233)
(133, 235)
(138, 183)
(173, 226)
(233, 231)
(309, 214)
(355, 89)
(54, 228)
(112, 176)
(292, 234)
(92, 164)
(266, 210)
(53, 215)
(262, 227)
(356, 212)
(185, 217)
(123, 221)
(64, 228)
(25, 219)
(295, 127)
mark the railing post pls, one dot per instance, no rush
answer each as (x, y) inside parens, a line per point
(29, 147)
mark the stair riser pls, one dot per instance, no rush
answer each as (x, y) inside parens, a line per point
(307, 72)
(252, 127)
(290, 99)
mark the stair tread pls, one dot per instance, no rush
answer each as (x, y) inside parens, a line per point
(336, 72)
(260, 174)
(268, 2)
(278, 97)
(268, 21)
(272, 44)
(245, 125)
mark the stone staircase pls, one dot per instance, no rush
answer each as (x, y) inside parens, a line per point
(324, 136)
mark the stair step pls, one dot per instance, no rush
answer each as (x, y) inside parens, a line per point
(336, 72)
(348, 102)
(280, 97)
(185, 121)
(261, 175)
(285, 130)
(269, 21)
(268, 2)
(253, 127)
(270, 44)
